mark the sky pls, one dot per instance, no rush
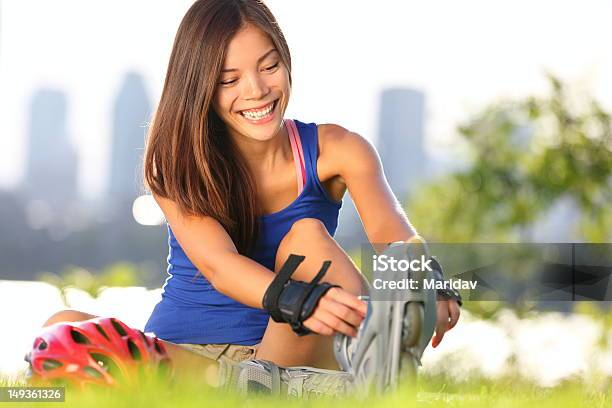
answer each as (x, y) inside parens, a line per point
(462, 55)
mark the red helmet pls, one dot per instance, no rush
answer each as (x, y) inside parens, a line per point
(98, 351)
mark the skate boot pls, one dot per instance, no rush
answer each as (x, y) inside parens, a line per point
(395, 331)
(264, 377)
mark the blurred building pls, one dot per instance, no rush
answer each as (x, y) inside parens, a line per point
(130, 116)
(49, 227)
(401, 138)
(51, 169)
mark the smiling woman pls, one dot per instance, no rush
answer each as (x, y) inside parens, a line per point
(234, 183)
(251, 99)
(201, 77)
(272, 80)
(252, 199)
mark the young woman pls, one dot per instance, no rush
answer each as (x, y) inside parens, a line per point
(242, 188)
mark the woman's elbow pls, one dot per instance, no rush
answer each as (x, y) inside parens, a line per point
(216, 278)
(216, 282)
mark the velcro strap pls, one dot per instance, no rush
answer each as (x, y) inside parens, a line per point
(306, 293)
(311, 301)
(270, 299)
(293, 301)
(450, 294)
(438, 273)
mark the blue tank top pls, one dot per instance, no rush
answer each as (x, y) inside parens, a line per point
(192, 311)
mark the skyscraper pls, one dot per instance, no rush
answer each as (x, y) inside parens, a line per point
(130, 116)
(400, 138)
(51, 169)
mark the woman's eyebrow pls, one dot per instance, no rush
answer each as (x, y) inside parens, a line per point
(258, 61)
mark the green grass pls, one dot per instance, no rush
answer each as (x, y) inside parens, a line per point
(434, 392)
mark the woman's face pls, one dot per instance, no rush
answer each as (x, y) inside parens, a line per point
(253, 89)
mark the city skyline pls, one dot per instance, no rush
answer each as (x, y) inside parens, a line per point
(485, 59)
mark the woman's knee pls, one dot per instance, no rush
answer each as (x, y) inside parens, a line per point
(309, 237)
(307, 228)
(302, 234)
(67, 315)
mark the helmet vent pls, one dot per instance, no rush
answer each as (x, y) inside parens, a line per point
(106, 363)
(50, 364)
(144, 338)
(157, 347)
(118, 327)
(79, 337)
(92, 372)
(134, 350)
(101, 331)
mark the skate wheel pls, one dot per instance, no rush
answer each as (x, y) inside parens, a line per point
(413, 324)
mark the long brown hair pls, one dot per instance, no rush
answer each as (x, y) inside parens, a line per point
(190, 157)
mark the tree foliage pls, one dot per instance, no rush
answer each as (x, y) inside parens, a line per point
(527, 155)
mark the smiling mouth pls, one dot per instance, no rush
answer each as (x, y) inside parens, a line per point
(259, 114)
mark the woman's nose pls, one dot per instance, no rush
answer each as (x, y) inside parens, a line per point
(256, 87)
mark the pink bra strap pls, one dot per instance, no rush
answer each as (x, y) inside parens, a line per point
(298, 153)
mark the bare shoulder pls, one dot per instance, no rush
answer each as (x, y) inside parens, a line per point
(341, 149)
(334, 136)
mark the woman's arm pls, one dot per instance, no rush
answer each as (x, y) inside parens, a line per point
(210, 248)
(383, 218)
(360, 169)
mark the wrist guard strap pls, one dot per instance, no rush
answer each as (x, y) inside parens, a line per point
(447, 293)
(292, 301)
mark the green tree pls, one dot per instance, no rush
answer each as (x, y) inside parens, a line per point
(527, 154)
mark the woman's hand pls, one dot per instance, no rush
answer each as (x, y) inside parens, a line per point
(448, 314)
(338, 311)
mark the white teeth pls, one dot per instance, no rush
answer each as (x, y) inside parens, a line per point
(258, 114)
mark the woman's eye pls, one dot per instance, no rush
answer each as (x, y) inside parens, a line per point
(228, 82)
(271, 67)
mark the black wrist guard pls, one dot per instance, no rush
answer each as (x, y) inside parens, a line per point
(447, 293)
(292, 301)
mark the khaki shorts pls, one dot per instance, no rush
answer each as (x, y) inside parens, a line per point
(227, 352)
